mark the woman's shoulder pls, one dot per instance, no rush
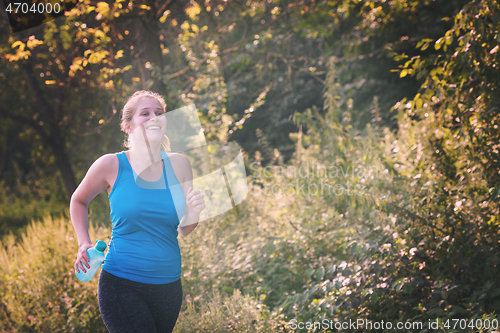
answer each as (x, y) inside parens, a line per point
(175, 155)
(181, 165)
(99, 177)
(107, 162)
(178, 159)
(109, 158)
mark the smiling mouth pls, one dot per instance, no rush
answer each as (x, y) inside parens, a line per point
(153, 128)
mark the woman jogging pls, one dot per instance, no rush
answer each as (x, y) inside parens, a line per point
(139, 286)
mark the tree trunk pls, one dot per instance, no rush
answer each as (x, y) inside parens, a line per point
(54, 138)
(149, 54)
(148, 41)
(65, 168)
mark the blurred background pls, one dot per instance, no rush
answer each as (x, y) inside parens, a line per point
(369, 131)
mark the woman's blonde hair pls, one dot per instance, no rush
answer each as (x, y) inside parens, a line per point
(129, 110)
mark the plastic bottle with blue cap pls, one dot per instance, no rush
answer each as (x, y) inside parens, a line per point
(96, 256)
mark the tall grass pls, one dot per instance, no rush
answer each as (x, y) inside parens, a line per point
(40, 293)
(38, 288)
(223, 314)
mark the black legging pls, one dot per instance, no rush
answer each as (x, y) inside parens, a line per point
(133, 307)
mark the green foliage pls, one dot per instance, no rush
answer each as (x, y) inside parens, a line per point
(440, 257)
(243, 72)
(247, 66)
(38, 288)
(36, 199)
(40, 293)
(408, 240)
(362, 222)
(234, 313)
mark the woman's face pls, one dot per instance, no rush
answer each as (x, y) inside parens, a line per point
(147, 120)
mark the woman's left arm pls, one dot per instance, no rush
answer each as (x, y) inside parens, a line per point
(195, 202)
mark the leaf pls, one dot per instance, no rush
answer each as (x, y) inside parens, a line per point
(320, 274)
(96, 57)
(419, 103)
(332, 270)
(403, 73)
(102, 8)
(455, 309)
(34, 43)
(119, 54)
(439, 43)
(407, 288)
(20, 44)
(375, 296)
(193, 10)
(495, 293)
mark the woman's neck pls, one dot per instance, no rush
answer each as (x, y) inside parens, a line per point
(143, 157)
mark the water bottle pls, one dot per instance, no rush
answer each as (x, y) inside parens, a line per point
(96, 256)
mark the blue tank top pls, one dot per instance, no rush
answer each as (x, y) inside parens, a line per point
(145, 216)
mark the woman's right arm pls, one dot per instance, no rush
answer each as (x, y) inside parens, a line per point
(98, 178)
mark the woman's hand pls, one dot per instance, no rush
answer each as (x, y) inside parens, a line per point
(82, 258)
(195, 202)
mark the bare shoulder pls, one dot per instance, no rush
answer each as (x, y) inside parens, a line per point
(181, 165)
(177, 158)
(105, 167)
(107, 161)
(100, 176)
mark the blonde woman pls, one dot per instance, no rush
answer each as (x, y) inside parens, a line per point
(139, 285)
